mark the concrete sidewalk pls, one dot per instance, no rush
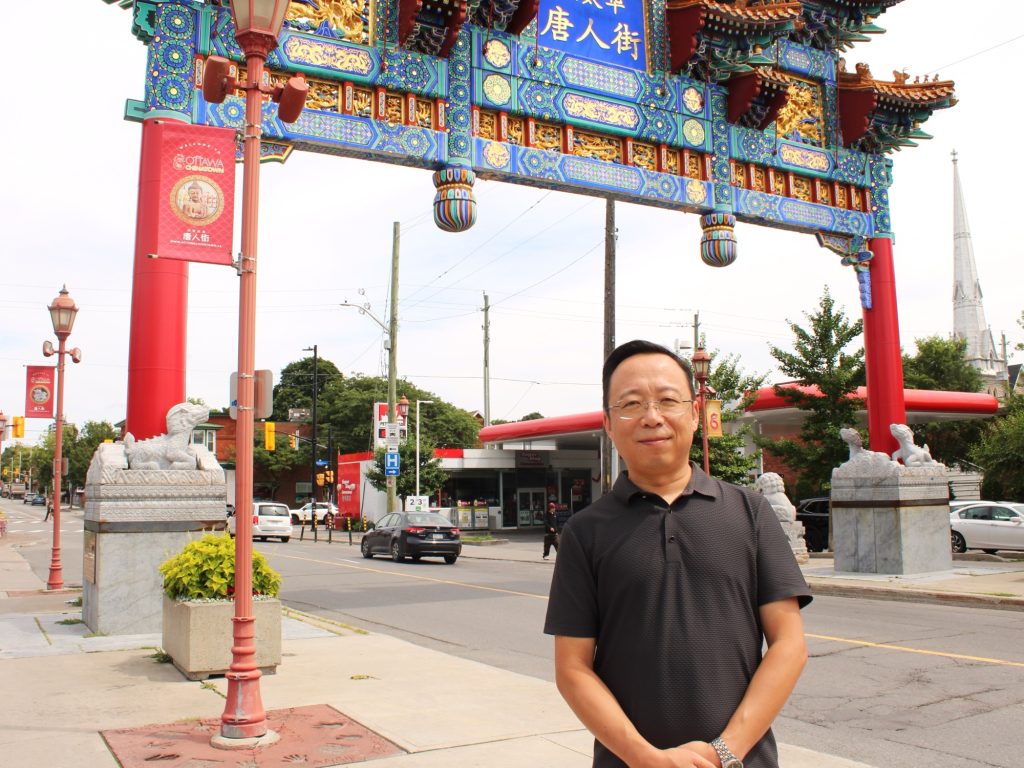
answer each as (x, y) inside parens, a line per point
(62, 688)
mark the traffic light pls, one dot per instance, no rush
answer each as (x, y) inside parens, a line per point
(269, 435)
(330, 476)
(18, 426)
(320, 478)
(292, 441)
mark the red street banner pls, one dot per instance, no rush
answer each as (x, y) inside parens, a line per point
(194, 179)
(39, 391)
(348, 489)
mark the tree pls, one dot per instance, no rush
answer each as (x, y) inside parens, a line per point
(432, 476)
(77, 446)
(820, 360)
(940, 365)
(273, 466)
(726, 455)
(1000, 452)
(531, 416)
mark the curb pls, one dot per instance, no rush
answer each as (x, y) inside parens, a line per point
(829, 589)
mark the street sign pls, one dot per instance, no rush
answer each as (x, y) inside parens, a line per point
(391, 435)
(417, 503)
(392, 463)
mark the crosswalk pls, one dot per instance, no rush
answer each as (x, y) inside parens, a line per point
(31, 522)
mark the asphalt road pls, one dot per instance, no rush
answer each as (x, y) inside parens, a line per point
(894, 685)
(890, 684)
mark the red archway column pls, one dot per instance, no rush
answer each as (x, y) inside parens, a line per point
(883, 360)
(158, 330)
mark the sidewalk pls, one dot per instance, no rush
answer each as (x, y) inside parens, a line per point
(62, 688)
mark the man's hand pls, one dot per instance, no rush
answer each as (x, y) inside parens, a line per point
(693, 754)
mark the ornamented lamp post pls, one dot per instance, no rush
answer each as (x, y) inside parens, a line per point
(257, 26)
(418, 404)
(701, 369)
(62, 315)
(3, 431)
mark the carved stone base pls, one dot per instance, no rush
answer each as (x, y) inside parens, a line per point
(892, 524)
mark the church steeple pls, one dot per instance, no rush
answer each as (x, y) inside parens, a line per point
(968, 312)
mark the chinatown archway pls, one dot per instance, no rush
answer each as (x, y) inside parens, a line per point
(733, 110)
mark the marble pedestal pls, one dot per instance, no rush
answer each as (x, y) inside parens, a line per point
(134, 520)
(892, 523)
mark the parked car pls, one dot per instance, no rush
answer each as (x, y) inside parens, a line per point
(269, 520)
(38, 500)
(415, 535)
(813, 513)
(988, 526)
(301, 516)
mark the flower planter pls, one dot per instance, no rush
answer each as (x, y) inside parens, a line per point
(198, 636)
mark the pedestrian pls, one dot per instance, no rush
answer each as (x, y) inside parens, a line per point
(550, 530)
(49, 507)
(665, 588)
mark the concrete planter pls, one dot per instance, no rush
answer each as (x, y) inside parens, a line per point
(198, 636)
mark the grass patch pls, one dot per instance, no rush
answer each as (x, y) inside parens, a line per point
(96, 634)
(76, 603)
(208, 686)
(1001, 594)
(69, 622)
(38, 624)
(160, 657)
(478, 537)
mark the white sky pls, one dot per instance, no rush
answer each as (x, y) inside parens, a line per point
(68, 208)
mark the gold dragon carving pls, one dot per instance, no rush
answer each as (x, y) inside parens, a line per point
(801, 113)
(343, 16)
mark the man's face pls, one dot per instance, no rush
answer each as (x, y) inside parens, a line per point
(194, 194)
(654, 443)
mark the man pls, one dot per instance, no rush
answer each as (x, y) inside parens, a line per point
(550, 530)
(664, 589)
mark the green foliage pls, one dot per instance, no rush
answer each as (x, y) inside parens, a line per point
(432, 476)
(1000, 452)
(940, 365)
(726, 456)
(346, 405)
(273, 466)
(77, 445)
(205, 570)
(819, 359)
(531, 416)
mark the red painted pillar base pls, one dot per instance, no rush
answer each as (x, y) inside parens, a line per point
(158, 330)
(883, 360)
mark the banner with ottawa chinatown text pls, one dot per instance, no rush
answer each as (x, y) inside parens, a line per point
(190, 178)
(348, 479)
(39, 391)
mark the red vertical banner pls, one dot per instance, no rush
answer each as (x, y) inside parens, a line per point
(349, 477)
(39, 391)
(195, 183)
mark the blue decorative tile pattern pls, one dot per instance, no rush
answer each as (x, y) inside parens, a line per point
(459, 122)
(171, 52)
(720, 140)
(804, 60)
(760, 207)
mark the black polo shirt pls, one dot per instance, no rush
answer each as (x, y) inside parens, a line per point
(671, 594)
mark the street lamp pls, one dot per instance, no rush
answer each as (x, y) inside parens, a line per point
(3, 432)
(257, 27)
(418, 404)
(312, 444)
(62, 314)
(701, 368)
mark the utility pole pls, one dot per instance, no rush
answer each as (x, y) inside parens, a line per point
(332, 464)
(696, 331)
(487, 362)
(312, 445)
(609, 327)
(393, 353)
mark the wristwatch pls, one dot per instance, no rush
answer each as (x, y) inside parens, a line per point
(729, 760)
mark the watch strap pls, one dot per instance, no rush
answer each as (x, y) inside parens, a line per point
(725, 755)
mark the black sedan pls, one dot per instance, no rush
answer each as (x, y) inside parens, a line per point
(415, 535)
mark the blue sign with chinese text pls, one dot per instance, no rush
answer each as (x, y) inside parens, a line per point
(609, 31)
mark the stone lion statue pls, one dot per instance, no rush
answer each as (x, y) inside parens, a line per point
(911, 455)
(772, 487)
(173, 450)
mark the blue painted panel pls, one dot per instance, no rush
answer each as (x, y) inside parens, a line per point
(609, 31)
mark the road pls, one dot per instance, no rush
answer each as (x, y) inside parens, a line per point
(894, 685)
(888, 684)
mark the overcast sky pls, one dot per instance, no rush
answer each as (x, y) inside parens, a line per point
(69, 197)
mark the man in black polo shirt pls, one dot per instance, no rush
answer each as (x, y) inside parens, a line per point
(665, 588)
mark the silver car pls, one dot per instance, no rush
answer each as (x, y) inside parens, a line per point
(269, 521)
(987, 525)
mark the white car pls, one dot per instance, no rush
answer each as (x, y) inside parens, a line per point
(987, 525)
(301, 516)
(270, 520)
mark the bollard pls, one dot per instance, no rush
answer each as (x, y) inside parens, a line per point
(348, 524)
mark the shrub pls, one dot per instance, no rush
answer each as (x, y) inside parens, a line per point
(205, 570)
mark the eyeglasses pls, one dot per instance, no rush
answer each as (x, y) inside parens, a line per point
(634, 409)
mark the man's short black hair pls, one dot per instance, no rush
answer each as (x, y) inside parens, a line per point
(639, 347)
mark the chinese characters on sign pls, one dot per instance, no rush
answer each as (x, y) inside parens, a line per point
(195, 176)
(609, 31)
(39, 391)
